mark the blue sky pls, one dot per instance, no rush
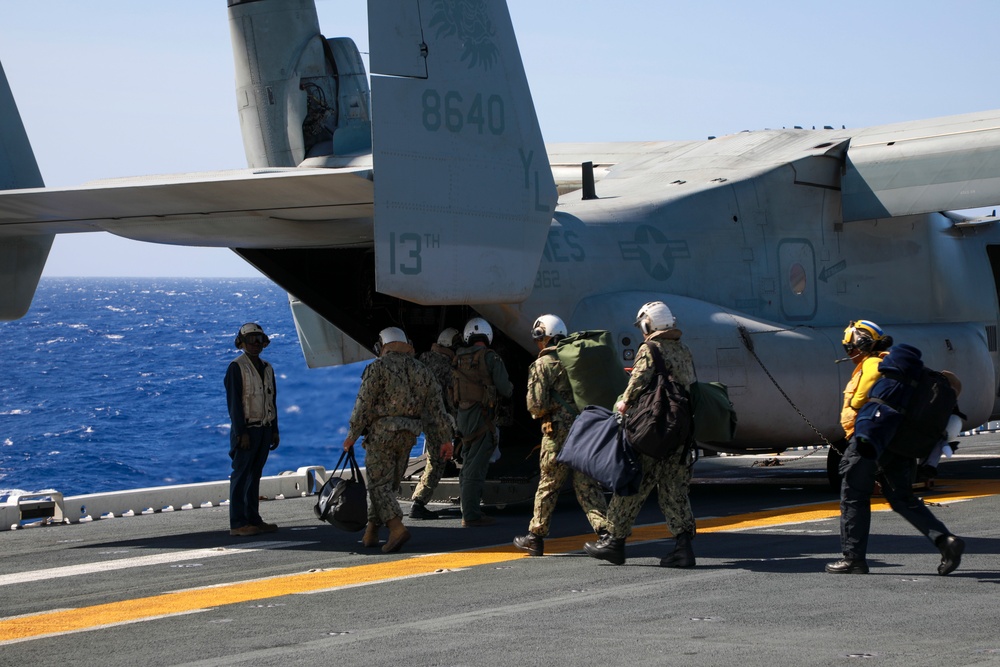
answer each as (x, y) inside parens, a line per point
(120, 88)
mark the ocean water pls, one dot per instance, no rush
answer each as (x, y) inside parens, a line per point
(116, 383)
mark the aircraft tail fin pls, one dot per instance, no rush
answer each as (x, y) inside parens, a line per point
(22, 257)
(464, 194)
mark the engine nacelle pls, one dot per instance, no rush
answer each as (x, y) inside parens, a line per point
(299, 95)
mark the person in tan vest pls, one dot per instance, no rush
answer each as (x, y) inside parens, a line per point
(252, 397)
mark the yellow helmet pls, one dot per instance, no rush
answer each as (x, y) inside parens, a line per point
(862, 335)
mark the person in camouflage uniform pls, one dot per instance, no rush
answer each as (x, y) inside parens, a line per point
(438, 359)
(671, 477)
(550, 398)
(399, 397)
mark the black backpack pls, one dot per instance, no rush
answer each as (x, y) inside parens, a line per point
(925, 416)
(660, 423)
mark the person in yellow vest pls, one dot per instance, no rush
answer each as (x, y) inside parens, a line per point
(252, 397)
(866, 345)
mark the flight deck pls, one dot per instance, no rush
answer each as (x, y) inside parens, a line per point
(175, 589)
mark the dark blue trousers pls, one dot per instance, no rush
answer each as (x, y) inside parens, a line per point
(896, 476)
(244, 483)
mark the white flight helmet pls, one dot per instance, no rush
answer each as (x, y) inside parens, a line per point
(246, 330)
(654, 316)
(548, 326)
(477, 326)
(448, 338)
(389, 335)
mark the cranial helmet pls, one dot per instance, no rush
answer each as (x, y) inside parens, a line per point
(389, 335)
(654, 316)
(248, 329)
(548, 326)
(448, 338)
(866, 336)
(478, 327)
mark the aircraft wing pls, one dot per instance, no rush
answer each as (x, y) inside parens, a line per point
(252, 208)
(924, 166)
(566, 158)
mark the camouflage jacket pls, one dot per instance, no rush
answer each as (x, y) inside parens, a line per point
(398, 393)
(438, 359)
(676, 357)
(550, 397)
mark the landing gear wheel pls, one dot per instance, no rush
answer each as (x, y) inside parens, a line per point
(833, 458)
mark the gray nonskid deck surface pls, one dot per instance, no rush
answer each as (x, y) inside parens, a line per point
(757, 597)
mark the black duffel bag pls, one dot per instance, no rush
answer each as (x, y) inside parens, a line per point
(344, 502)
(595, 447)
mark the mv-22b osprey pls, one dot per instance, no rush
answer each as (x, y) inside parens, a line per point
(430, 197)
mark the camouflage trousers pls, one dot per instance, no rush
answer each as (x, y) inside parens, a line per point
(672, 479)
(432, 473)
(386, 456)
(553, 477)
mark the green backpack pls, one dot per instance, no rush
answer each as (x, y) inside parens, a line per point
(593, 367)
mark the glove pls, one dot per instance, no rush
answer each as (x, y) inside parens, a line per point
(447, 451)
(244, 441)
(274, 443)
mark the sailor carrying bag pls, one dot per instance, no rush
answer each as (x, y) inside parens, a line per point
(660, 423)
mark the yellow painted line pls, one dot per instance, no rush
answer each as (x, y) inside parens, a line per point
(58, 622)
(158, 606)
(953, 491)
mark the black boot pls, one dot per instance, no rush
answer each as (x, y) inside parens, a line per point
(533, 544)
(848, 565)
(609, 548)
(683, 554)
(419, 511)
(952, 548)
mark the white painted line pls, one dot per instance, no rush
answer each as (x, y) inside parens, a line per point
(380, 581)
(141, 561)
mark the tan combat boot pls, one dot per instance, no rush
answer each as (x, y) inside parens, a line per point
(398, 534)
(371, 535)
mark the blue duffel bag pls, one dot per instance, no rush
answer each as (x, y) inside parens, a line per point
(596, 447)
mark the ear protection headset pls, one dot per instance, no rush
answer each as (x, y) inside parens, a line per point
(246, 331)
